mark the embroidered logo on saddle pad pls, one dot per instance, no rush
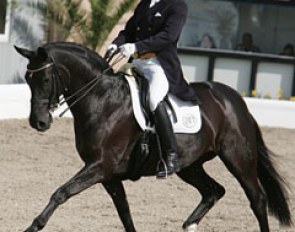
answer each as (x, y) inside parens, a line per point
(188, 115)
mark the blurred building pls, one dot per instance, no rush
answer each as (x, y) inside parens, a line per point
(21, 24)
(224, 22)
(270, 24)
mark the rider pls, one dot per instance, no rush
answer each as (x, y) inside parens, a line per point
(150, 37)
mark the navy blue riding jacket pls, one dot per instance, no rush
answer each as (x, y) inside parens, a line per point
(157, 29)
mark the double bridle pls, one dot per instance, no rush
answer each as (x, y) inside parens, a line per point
(32, 71)
(53, 100)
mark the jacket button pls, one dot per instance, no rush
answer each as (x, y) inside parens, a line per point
(149, 28)
(138, 28)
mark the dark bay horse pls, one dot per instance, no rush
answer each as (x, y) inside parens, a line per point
(107, 137)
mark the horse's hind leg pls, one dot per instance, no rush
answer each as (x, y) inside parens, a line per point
(242, 163)
(210, 190)
(116, 191)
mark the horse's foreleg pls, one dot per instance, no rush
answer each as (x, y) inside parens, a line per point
(85, 178)
(210, 190)
(116, 190)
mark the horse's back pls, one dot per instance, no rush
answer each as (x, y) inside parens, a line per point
(221, 96)
(224, 111)
(221, 92)
(235, 108)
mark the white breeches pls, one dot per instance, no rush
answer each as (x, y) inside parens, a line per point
(158, 82)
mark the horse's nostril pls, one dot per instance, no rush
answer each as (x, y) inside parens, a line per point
(42, 126)
(40, 122)
(50, 118)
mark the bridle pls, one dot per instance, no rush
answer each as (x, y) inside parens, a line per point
(53, 100)
(32, 71)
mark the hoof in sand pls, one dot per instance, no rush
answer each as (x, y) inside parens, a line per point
(191, 228)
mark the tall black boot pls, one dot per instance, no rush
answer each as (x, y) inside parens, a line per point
(167, 140)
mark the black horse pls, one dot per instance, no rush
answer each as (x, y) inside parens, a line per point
(108, 137)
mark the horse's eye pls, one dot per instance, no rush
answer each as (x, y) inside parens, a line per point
(46, 80)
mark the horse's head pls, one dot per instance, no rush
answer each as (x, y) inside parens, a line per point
(41, 77)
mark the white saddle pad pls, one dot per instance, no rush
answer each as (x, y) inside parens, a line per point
(188, 115)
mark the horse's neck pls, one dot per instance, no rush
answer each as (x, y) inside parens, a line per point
(99, 96)
(88, 84)
(75, 71)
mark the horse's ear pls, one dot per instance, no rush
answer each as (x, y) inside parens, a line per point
(25, 52)
(42, 53)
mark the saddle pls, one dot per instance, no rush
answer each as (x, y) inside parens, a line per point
(143, 86)
(185, 116)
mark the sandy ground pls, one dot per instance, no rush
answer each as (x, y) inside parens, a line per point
(33, 165)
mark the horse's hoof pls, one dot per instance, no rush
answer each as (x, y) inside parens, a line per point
(191, 228)
(30, 229)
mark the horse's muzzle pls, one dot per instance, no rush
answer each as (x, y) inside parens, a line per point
(41, 123)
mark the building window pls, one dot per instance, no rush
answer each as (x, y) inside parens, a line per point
(4, 20)
(222, 23)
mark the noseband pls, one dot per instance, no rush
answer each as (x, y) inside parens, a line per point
(53, 100)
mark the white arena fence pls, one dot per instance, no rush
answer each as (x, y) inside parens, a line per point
(15, 104)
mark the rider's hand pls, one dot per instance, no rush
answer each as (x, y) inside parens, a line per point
(128, 49)
(112, 48)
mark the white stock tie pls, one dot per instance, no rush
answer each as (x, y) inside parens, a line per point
(154, 2)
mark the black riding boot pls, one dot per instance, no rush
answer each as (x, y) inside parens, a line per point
(167, 140)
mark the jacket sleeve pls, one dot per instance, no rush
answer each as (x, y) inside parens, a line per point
(126, 35)
(176, 17)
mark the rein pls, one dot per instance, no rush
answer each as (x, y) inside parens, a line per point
(88, 87)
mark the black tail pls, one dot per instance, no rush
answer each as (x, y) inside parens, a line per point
(272, 183)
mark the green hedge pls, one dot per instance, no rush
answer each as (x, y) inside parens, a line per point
(64, 14)
(102, 24)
